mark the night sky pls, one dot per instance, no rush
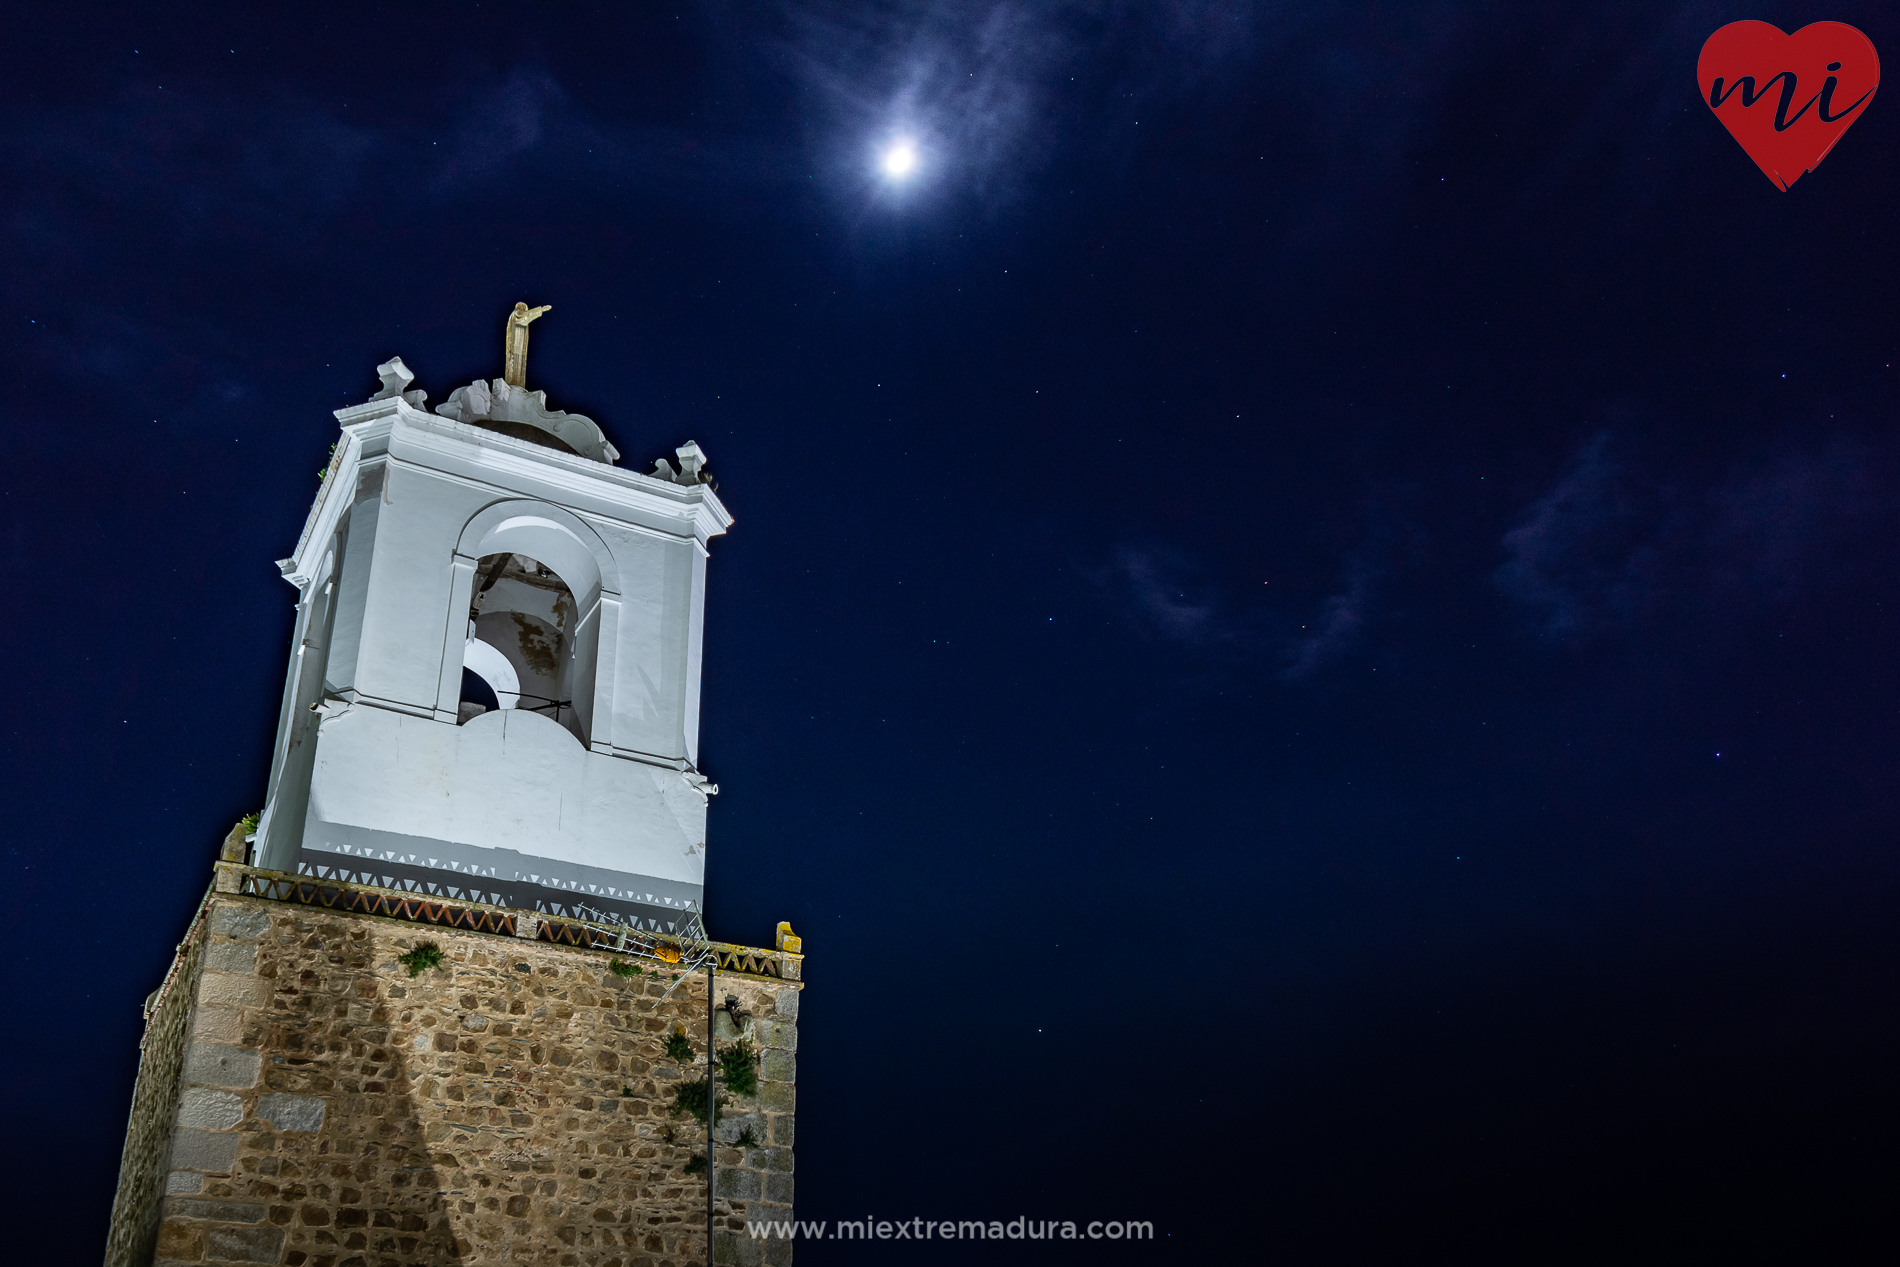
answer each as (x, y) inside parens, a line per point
(1306, 638)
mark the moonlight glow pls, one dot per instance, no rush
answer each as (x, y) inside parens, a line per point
(899, 159)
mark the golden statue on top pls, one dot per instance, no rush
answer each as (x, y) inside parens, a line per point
(514, 366)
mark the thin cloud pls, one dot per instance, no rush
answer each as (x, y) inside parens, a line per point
(1341, 619)
(1583, 556)
(1154, 590)
(965, 84)
(508, 124)
(1613, 545)
(989, 89)
(1388, 540)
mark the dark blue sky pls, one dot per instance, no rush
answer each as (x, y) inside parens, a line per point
(1306, 640)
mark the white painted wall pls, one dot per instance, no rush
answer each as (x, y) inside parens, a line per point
(413, 502)
(507, 780)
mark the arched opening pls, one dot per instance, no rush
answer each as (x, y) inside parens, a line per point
(510, 549)
(521, 646)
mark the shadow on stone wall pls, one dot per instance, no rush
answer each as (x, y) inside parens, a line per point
(360, 1183)
(515, 1103)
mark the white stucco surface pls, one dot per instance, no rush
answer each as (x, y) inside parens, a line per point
(506, 780)
(371, 758)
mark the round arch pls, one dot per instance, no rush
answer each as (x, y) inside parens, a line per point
(555, 537)
(561, 542)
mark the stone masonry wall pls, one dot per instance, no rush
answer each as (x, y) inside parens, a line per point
(148, 1130)
(512, 1106)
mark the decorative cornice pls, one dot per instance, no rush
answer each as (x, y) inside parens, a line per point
(499, 462)
(374, 902)
(320, 525)
(516, 466)
(502, 401)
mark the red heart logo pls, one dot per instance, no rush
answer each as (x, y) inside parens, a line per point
(1788, 98)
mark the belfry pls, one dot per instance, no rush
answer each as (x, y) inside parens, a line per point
(494, 692)
(450, 998)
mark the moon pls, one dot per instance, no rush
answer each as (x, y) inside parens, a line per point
(899, 159)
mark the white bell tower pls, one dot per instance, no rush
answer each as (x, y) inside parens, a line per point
(494, 688)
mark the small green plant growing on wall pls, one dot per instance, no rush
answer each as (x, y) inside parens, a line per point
(624, 970)
(696, 1164)
(690, 1098)
(249, 821)
(747, 1139)
(670, 1135)
(626, 1090)
(679, 1048)
(427, 955)
(739, 1068)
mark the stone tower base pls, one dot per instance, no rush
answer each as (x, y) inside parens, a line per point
(303, 1100)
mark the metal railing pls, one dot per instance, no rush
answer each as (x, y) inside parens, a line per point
(544, 705)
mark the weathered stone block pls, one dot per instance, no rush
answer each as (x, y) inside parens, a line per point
(733, 1125)
(214, 1211)
(203, 1109)
(231, 956)
(291, 1112)
(737, 1248)
(230, 920)
(216, 1025)
(778, 1187)
(245, 1244)
(778, 1253)
(181, 1242)
(780, 1034)
(779, 1066)
(222, 989)
(779, 1097)
(737, 1185)
(779, 1159)
(215, 1151)
(216, 1065)
(783, 1125)
(184, 1181)
(786, 1004)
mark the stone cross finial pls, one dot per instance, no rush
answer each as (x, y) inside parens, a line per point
(396, 378)
(692, 458)
(514, 365)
